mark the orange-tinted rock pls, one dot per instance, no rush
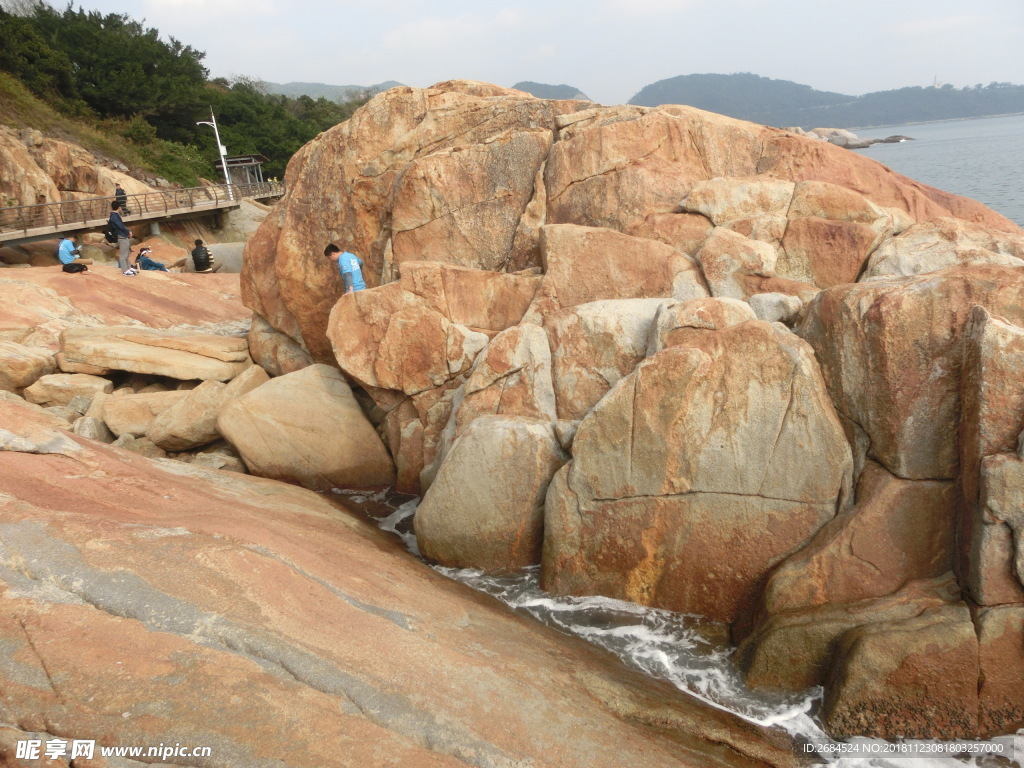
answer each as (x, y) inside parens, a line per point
(995, 572)
(480, 300)
(463, 205)
(40, 303)
(787, 156)
(483, 147)
(891, 352)
(825, 252)
(945, 242)
(677, 322)
(426, 329)
(899, 530)
(21, 366)
(585, 264)
(727, 257)
(623, 164)
(724, 200)
(511, 377)
(673, 500)
(273, 351)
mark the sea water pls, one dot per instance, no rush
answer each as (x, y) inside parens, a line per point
(981, 158)
(666, 645)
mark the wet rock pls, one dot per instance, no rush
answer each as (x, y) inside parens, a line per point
(794, 649)
(910, 678)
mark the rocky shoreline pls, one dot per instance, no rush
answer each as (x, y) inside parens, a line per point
(666, 356)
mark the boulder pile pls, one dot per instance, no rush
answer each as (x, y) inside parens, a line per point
(687, 361)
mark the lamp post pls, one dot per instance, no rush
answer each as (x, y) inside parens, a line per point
(220, 149)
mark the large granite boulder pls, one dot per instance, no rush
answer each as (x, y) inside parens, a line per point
(585, 264)
(698, 473)
(472, 174)
(891, 352)
(594, 345)
(485, 508)
(795, 649)
(899, 530)
(273, 351)
(306, 427)
(426, 329)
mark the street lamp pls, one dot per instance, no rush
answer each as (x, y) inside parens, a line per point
(221, 149)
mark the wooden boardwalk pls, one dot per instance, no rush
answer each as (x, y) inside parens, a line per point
(24, 223)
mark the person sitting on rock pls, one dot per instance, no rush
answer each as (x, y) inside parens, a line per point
(69, 253)
(202, 259)
(143, 261)
(351, 267)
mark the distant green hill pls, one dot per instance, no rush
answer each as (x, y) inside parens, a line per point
(542, 91)
(338, 93)
(783, 103)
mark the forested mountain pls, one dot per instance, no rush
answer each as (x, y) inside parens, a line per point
(122, 78)
(783, 103)
(543, 91)
(338, 93)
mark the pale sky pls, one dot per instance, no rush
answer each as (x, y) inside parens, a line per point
(609, 49)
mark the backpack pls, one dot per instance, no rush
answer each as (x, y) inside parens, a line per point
(110, 234)
(75, 267)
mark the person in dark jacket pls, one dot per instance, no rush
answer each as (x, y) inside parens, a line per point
(124, 243)
(202, 258)
(120, 196)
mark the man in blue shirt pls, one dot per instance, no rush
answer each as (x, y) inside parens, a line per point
(350, 265)
(68, 251)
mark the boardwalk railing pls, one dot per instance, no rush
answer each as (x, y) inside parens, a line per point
(94, 211)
